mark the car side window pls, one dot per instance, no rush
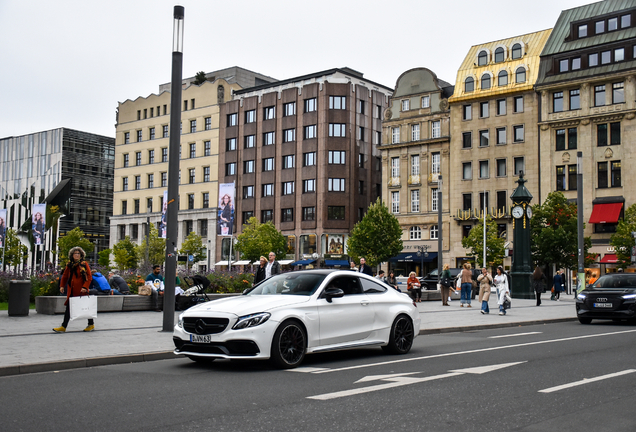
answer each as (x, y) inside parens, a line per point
(372, 287)
(349, 285)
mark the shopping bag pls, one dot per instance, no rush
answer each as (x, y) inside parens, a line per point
(83, 307)
(145, 290)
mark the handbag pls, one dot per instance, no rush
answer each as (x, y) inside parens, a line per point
(145, 290)
(507, 303)
(83, 307)
(446, 282)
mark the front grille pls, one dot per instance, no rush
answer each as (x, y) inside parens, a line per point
(204, 326)
(232, 348)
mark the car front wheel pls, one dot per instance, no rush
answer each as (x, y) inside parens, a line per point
(402, 335)
(289, 345)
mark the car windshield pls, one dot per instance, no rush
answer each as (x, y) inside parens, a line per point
(293, 283)
(621, 281)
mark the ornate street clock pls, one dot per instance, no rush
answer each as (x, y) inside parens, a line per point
(521, 271)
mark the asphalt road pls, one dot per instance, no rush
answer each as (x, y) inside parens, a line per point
(527, 378)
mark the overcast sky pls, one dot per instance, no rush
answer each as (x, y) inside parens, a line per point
(68, 63)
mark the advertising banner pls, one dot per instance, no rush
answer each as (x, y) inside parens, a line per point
(3, 226)
(39, 223)
(164, 215)
(225, 214)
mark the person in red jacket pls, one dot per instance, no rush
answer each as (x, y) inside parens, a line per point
(77, 279)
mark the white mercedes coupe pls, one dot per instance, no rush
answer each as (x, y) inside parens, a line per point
(297, 313)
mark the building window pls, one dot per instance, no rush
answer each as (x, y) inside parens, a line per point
(485, 81)
(269, 113)
(571, 177)
(288, 188)
(467, 170)
(557, 101)
(618, 92)
(516, 51)
(502, 79)
(576, 63)
(361, 157)
(415, 165)
(289, 135)
(435, 163)
(310, 105)
(190, 202)
(434, 232)
(193, 150)
(124, 207)
(415, 201)
(124, 185)
(582, 31)
(193, 126)
(336, 157)
(501, 135)
(164, 154)
(288, 161)
(436, 129)
(395, 135)
(415, 132)
(248, 166)
(395, 167)
(606, 57)
(467, 201)
(309, 159)
(250, 116)
(518, 104)
(469, 85)
(309, 213)
(336, 185)
(592, 60)
(207, 123)
(206, 174)
(575, 99)
(615, 134)
(336, 213)
(337, 129)
(616, 173)
(138, 158)
(520, 75)
(248, 192)
(247, 215)
(519, 133)
(151, 181)
(502, 200)
(126, 137)
(126, 159)
(268, 164)
(289, 109)
(377, 111)
(434, 199)
(602, 175)
(230, 170)
(599, 95)
(484, 200)
(287, 215)
(561, 139)
(232, 119)
(501, 167)
(164, 179)
(137, 207)
(483, 110)
(267, 216)
(415, 233)
(309, 132)
(406, 104)
(249, 141)
(361, 106)
(152, 133)
(360, 136)
(564, 65)
(268, 189)
(626, 21)
(230, 144)
(520, 165)
(484, 171)
(499, 55)
(426, 101)
(467, 112)
(269, 138)
(337, 102)
(483, 138)
(395, 202)
(165, 131)
(467, 140)
(560, 178)
(501, 107)
(151, 156)
(309, 185)
(482, 58)
(139, 136)
(137, 182)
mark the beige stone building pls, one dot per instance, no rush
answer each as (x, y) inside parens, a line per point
(141, 157)
(415, 153)
(494, 111)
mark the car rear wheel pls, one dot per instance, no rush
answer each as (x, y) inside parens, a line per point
(401, 337)
(202, 360)
(289, 345)
(585, 320)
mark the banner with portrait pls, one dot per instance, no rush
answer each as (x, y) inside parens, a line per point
(164, 215)
(225, 212)
(3, 226)
(38, 223)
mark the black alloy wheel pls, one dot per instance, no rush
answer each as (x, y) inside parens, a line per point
(289, 345)
(402, 335)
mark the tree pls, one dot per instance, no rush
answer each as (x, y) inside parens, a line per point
(156, 250)
(193, 245)
(377, 237)
(200, 78)
(71, 239)
(494, 244)
(104, 258)
(259, 239)
(622, 239)
(554, 234)
(125, 252)
(15, 252)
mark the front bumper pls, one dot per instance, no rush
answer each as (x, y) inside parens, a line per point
(624, 311)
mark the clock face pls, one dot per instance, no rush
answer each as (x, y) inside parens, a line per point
(517, 211)
(529, 212)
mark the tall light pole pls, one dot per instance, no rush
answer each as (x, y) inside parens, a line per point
(173, 170)
(440, 239)
(580, 274)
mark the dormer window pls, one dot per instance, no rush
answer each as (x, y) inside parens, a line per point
(469, 84)
(499, 55)
(516, 51)
(485, 82)
(583, 31)
(482, 58)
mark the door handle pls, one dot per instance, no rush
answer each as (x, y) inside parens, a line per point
(364, 303)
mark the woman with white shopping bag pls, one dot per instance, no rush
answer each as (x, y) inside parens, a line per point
(503, 290)
(77, 280)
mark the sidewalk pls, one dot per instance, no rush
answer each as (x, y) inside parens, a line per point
(28, 345)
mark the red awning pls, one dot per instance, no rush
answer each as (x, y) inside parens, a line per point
(609, 259)
(606, 213)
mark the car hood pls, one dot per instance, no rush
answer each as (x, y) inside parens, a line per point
(245, 304)
(614, 291)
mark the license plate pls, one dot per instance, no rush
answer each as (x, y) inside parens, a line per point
(603, 305)
(200, 338)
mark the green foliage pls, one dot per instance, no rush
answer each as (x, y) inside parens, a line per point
(229, 282)
(622, 239)
(156, 250)
(260, 239)
(193, 245)
(554, 235)
(15, 252)
(73, 238)
(377, 237)
(494, 244)
(200, 78)
(104, 258)
(125, 252)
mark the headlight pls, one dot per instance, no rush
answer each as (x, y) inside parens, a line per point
(251, 320)
(581, 296)
(180, 322)
(629, 296)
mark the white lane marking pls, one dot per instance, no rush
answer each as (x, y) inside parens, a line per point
(398, 380)
(512, 335)
(306, 369)
(586, 381)
(326, 370)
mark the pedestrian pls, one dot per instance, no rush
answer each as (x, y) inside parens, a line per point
(157, 281)
(503, 290)
(117, 283)
(485, 282)
(538, 283)
(76, 279)
(381, 276)
(352, 266)
(260, 270)
(558, 286)
(273, 266)
(364, 268)
(445, 284)
(467, 285)
(392, 281)
(414, 287)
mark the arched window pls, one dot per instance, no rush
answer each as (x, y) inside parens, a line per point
(502, 78)
(434, 232)
(469, 84)
(499, 55)
(482, 58)
(415, 233)
(516, 51)
(485, 82)
(520, 75)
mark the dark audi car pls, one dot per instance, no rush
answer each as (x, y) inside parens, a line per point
(612, 296)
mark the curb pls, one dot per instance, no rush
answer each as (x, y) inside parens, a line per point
(493, 326)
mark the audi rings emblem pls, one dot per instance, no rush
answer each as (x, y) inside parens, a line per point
(601, 299)
(200, 326)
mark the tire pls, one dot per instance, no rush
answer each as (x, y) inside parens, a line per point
(585, 320)
(401, 337)
(202, 360)
(289, 345)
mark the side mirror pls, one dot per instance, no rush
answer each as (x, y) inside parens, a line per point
(332, 293)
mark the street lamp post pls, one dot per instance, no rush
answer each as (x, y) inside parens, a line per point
(173, 170)
(422, 252)
(580, 274)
